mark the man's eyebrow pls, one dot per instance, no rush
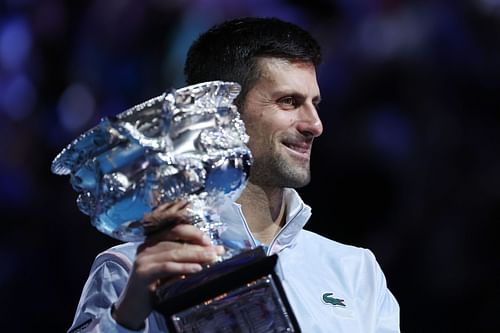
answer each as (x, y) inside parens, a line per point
(286, 92)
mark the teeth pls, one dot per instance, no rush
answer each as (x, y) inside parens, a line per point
(298, 148)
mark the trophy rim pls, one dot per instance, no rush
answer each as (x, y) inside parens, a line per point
(70, 156)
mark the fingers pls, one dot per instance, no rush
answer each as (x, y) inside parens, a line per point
(168, 259)
(165, 252)
(175, 205)
(188, 233)
(165, 270)
(179, 252)
(179, 233)
(172, 248)
(165, 216)
(159, 249)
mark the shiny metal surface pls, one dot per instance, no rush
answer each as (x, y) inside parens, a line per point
(189, 143)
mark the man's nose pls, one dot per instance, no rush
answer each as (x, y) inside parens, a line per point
(310, 123)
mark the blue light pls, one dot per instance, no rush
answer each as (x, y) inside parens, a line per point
(15, 44)
(76, 107)
(18, 97)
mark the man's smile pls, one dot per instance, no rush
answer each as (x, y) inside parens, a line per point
(301, 149)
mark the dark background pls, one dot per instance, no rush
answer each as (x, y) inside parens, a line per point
(408, 164)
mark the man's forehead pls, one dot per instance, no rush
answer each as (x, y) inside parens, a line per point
(275, 72)
(268, 64)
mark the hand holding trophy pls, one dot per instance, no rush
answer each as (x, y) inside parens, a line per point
(189, 144)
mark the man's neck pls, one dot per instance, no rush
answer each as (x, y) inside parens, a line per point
(264, 210)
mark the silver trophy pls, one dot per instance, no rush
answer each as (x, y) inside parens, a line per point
(189, 143)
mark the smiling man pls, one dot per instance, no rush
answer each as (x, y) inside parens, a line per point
(332, 287)
(282, 121)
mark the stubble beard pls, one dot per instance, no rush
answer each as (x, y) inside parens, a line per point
(280, 171)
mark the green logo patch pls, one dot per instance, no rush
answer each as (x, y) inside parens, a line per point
(329, 299)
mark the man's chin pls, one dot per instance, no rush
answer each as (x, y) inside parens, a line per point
(301, 183)
(297, 179)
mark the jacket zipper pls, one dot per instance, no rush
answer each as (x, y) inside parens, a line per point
(249, 233)
(287, 225)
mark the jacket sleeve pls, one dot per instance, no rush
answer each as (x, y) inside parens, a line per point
(386, 306)
(106, 281)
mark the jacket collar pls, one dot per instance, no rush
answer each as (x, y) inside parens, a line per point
(238, 232)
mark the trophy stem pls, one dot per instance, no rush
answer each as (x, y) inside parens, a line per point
(206, 218)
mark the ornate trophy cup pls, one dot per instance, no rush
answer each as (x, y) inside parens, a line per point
(189, 143)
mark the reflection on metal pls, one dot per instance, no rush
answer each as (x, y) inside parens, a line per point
(189, 143)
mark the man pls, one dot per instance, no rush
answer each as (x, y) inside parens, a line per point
(331, 287)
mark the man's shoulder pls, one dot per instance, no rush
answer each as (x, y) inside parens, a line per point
(351, 258)
(311, 237)
(128, 248)
(312, 242)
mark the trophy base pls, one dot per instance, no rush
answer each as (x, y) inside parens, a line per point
(242, 294)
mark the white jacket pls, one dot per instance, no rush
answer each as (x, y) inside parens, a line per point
(331, 287)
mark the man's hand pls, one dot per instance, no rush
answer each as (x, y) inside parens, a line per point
(167, 253)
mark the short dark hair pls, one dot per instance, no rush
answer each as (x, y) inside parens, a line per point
(229, 51)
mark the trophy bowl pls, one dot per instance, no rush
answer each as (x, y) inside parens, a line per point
(189, 143)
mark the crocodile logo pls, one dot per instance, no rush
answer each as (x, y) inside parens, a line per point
(329, 299)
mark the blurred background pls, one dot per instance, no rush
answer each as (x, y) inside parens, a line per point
(408, 165)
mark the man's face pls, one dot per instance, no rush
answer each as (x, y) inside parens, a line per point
(281, 119)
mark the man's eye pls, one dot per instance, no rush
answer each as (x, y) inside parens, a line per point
(288, 101)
